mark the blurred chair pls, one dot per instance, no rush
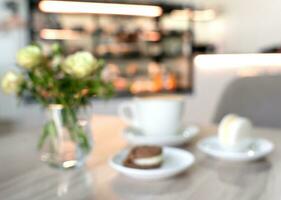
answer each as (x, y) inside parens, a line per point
(258, 98)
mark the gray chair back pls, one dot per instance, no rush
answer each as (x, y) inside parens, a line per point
(258, 98)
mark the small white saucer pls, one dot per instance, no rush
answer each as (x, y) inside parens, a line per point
(259, 149)
(175, 161)
(136, 137)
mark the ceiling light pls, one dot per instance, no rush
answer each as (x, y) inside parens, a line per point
(60, 34)
(99, 8)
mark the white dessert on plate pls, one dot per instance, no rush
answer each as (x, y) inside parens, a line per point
(235, 133)
(235, 141)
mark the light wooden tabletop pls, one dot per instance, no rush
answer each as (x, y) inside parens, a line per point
(207, 179)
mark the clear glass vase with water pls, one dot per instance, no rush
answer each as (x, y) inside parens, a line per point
(65, 141)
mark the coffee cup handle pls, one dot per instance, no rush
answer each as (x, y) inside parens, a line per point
(127, 112)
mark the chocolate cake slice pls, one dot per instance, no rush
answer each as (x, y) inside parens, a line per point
(144, 157)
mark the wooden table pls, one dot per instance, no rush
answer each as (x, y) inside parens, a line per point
(207, 179)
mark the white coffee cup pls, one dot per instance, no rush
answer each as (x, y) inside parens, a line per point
(158, 115)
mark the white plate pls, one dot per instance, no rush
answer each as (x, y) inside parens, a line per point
(175, 161)
(135, 137)
(259, 149)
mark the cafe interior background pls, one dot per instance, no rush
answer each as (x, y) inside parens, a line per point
(196, 48)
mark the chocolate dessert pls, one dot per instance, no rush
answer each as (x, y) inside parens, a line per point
(144, 157)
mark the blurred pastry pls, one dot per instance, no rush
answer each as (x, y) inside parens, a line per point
(144, 157)
(235, 132)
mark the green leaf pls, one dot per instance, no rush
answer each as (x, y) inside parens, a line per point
(83, 139)
(76, 132)
(48, 130)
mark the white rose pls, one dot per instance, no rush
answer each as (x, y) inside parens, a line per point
(29, 57)
(11, 82)
(80, 64)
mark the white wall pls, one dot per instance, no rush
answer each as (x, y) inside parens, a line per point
(10, 41)
(243, 26)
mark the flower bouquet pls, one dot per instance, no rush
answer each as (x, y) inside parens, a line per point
(61, 84)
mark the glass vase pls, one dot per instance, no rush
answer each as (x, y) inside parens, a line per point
(66, 140)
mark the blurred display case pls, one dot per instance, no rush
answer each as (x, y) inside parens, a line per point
(143, 54)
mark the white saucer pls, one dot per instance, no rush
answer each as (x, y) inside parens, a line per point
(259, 149)
(135, 137)
(175, 161)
